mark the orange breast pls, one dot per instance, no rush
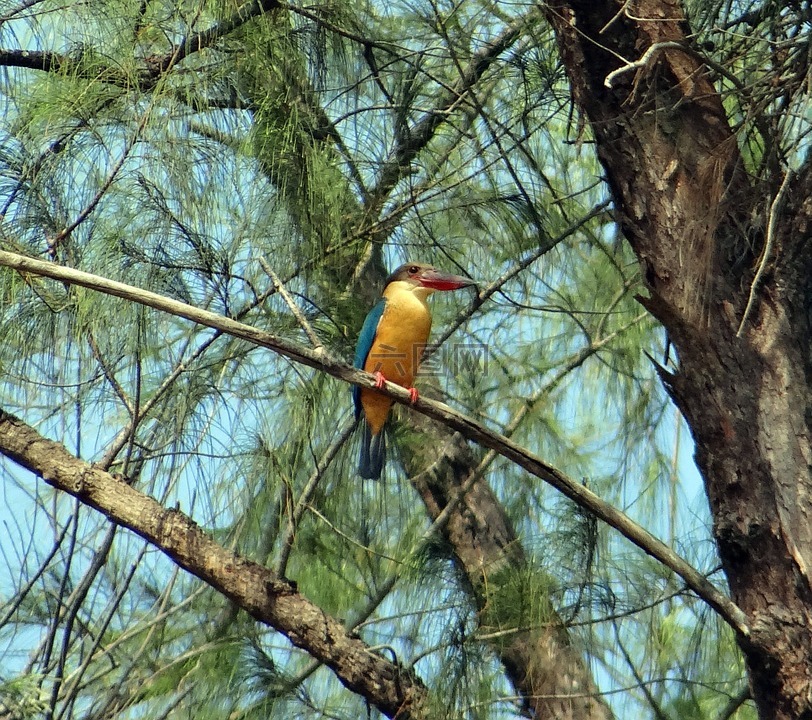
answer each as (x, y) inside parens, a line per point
(399, 343)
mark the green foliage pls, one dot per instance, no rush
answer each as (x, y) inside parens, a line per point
(316, 139)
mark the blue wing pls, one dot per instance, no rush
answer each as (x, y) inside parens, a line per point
(365, 340)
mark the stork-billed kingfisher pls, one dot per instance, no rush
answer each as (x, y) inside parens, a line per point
(391, 346)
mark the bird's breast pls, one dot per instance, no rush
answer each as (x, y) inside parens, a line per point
(401, 338)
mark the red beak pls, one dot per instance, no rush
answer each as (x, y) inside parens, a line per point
(437, 280)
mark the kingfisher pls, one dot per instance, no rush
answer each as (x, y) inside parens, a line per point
(391, 346)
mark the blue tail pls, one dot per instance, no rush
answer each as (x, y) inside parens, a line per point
(373, 454)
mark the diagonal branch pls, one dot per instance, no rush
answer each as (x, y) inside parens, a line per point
(466, 426)
(393, 689)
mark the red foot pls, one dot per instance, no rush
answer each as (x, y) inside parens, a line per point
(380, 379)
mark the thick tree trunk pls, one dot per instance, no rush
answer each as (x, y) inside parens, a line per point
(697, 225)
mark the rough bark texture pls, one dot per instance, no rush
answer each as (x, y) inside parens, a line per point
(697, 225)
(527, 635)
(393, 689)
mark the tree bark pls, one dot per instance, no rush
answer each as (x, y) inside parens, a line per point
(392, 688)
(698, 224)
(527, 635)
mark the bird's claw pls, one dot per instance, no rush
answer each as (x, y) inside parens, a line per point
(380, 380)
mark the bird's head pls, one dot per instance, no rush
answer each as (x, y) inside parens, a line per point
(423, 279)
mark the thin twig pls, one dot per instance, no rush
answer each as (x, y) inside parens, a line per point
(54, 242)
(294, 308)
(20, 595)
(766, 254)
(649, 55)
(304, 499)
(646, 60)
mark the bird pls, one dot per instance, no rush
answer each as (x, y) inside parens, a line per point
(390, 346)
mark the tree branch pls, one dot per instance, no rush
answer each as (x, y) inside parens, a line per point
(467, 427)
(36, 60)
(423, 131)
(393, 689)
(206, 38)
(49, 61)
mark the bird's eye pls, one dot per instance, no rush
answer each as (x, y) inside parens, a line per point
(413, 270)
